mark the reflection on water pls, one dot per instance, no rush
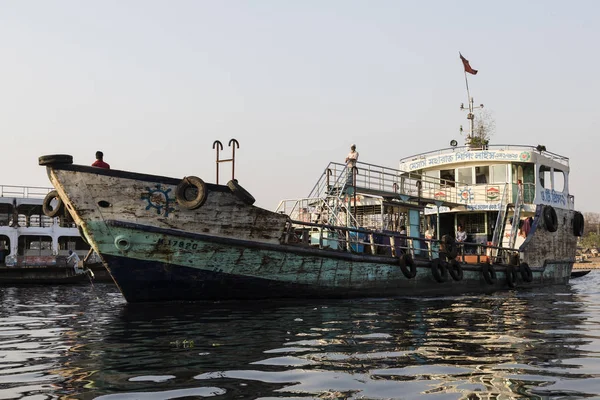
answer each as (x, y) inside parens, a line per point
(86, 342)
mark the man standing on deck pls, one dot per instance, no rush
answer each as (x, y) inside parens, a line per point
(99, 161)
(351, 160)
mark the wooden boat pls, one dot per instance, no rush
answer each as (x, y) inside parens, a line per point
(41, 275)
(577, 273)
(165, 239)
(34, 246)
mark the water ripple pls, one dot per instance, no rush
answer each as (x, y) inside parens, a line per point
(86, 342)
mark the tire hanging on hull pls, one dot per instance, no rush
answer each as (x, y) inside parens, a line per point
(489, 274)
(48, 209)
(408, 266)
(550, 219)
(439, 270)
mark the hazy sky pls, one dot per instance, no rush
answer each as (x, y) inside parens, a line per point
(154, 84)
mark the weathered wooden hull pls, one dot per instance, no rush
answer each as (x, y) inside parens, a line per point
(157, 250)
(227, 269)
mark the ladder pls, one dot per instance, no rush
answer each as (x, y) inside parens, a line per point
(501, 219)
(516, 217)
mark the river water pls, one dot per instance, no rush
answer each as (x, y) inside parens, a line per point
(86, 342)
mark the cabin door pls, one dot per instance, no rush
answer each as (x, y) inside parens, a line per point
(4, 248)
(524, 173)
(414, 220)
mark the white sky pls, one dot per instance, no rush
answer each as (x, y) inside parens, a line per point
(154, 84)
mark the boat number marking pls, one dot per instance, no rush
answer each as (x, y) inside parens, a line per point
(178, 243)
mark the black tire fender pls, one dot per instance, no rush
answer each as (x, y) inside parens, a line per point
(439, 270)
(526, 273)
(511, 276)
(191, 184)
(407, 265)
(55, 159)
(240, 192)
(48, 209)
(578, 224)
(489, 274)
(455, 270)
(550, 218)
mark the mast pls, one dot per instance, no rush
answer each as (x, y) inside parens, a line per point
(470, 104)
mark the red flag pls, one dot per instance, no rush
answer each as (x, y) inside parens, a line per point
(467, 66)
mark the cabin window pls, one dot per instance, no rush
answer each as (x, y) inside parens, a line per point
(559, 180)
(546, 177)
(499, 173)
(465, 175)
(448, 177)
(472, 222)
(33, 245)
(482, 174)
(66, 243)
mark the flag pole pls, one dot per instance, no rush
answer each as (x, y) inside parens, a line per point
(470, 117)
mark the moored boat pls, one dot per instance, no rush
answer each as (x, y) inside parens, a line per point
(355, 234)
(34, 247)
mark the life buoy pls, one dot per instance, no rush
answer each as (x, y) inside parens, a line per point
(240, 192)
(489, 274)
(578, 224)
(550, 219)
(407, 265)
(55, 159)
(439, 270)
(511, 276)
(526, 273)
(48, 209)
(455, 270)
(449, 246)
(191, 192)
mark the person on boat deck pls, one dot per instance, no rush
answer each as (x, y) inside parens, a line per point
(403, 243)
(522, 234)
(461, 237)
(429, 234)
(99, 161)
(351, 160)
(73, 257)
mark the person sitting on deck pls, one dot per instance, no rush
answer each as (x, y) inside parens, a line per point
(73, 257)
(99, 161)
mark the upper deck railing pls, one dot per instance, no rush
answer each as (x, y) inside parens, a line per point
(495, 147)
(26, 192)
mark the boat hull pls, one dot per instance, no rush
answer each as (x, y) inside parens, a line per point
(209, 268)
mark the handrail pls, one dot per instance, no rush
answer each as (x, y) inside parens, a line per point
(409, 247)
(28, 192)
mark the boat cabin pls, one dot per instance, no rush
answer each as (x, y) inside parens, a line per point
(491, 192)
(28, 237)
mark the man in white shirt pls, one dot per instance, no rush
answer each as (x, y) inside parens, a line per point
(74, 258)
(351, 160)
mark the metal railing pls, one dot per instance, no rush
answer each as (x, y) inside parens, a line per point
(28, 192)
(385, 243)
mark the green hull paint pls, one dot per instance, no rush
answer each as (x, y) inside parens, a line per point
(320, 271)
